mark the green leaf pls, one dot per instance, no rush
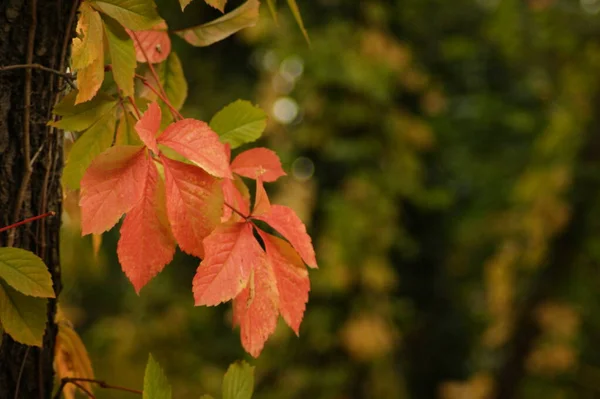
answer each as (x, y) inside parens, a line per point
(79, 117)
(206, 397)
(173, 80)
(238, 382)
(156, 385)
(91, 144)
(126, 134)
(23, 317)
(184, 4)
(122, 55)
(204, 35)
(25, 272)
(273, 9)
(238, 123)
(132, 14)
(296, 12)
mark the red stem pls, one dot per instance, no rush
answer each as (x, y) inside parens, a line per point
(236, 211)
(174, 111)
(28, 220)
(135, 108)
(164, 96)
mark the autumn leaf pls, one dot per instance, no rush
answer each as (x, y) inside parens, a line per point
(236, 195)
(132, 14)
(258, 162)
(232, 253)
(194, 204)
(146, 244)
(292, 280)
(87, 45)
(154, 43)
(262, 204)
(148, 125)
(242, 17)
(196, 141)
(89, 80)
(255, 309)
(218, 4)
(113, 184)
(289, 225)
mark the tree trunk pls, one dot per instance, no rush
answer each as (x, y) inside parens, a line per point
(38, 32)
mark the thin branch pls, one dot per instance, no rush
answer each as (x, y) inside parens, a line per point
(67, 76)
(28, 220)
(18, 387)
(84, 389)
(102, 384)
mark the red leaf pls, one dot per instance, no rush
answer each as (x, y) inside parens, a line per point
(146, 244)
(258, 162)
(194, 204)
(255, 309)
(111, 186)
(261, 200)
(232, 253)
(291, 275)
(156, 43)
(289, 225)
(196, 141)
(148, 126)
(234, 197)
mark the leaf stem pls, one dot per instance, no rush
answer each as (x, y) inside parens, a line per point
(236, 211)
(174, 111)
(28, 220)
(135, 108)
(164, 96)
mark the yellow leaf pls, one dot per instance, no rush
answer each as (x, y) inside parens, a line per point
(89, 80)
(70, 357)
(88, 43)
(296, 12)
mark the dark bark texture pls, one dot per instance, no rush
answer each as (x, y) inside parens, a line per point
(31, 31)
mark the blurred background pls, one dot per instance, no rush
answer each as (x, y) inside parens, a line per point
(445, 156)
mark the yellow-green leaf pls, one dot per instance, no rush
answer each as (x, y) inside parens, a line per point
(238, 382)
(204, 35)
(92, 143)
(156, 385)
(23, 317)
(88, 43)
(239, 123)
(218, 4)
(132, 14)
(296, 12)
(122, 55)
(184, 4)
(126, 134)
(78, 117)
(25, 272)
(89, 80)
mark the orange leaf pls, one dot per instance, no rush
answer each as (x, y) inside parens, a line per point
(258, 162)
(155, 43)
(289, 225)
(111, 186)
(146, 244)
(232, 253)
(261, 200)
(148, 125)
(194, 204)
(89, 80)
(235, 194)
(291, 275)
(196, 141)
(255, 309)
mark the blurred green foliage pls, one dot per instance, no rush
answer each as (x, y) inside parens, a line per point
(446, 158)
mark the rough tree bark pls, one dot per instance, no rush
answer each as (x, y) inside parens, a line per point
(31, 31)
